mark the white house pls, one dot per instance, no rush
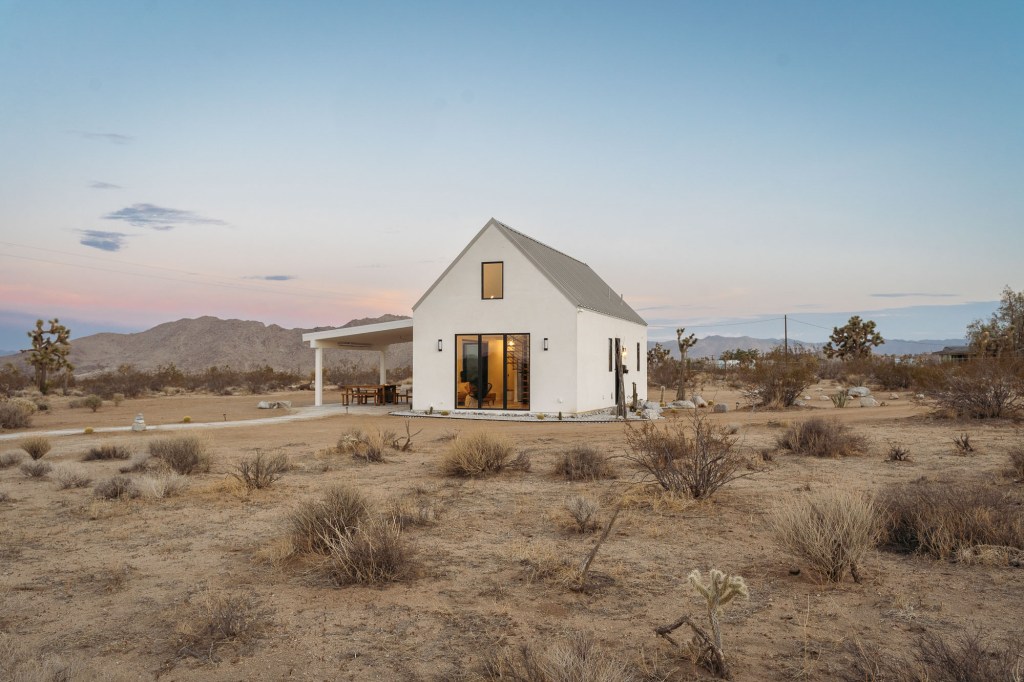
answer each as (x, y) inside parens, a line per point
(512, 325)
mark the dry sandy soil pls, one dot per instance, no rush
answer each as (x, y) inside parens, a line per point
(104, 585)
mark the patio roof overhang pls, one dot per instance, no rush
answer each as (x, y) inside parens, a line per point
(366, 337)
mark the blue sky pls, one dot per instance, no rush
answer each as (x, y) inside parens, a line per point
(305, 163)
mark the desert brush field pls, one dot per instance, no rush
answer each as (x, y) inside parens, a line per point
(877, 543)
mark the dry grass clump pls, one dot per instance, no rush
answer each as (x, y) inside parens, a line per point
(371, 553)
(262, 471)
(942, 519)
(820, 437)
(70, 476)
(984, 388)
(367, 446)
(35, 469)
(16, 413)
(697, 465)
(963, 444)
(577, 659)
(5, 497)
(583, 513)
(12, 458)
(105, 452)
(1016, 456)
(20, 663)
(411, 510)
(183, 454)
(36, 447)
(583, 463)
(968, 656)
(117, 488)
(164, 485)
(217, 621)
(143, 462)
(830, 529)
(897, 453)
(480, 454)
(340, 509)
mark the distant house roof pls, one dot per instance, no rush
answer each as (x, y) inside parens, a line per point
(577, 282)
(955, 352)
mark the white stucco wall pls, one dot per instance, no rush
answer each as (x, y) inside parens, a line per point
(595, 384)
(531, 305)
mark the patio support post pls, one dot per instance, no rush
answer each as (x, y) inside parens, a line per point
(383, 367)
(318, 399)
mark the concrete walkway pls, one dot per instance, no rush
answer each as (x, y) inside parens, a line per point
(295, 414)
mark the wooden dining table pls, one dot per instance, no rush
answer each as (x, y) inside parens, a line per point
(361, 394)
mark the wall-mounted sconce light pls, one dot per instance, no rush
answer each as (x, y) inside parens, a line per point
(545, 343)
(440, 346)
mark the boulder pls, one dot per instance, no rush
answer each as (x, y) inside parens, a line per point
(699, 401)
(263, 405)
(859, 392)
(683, 404)
(274, 404)
(868, 401)
(720, 408)
(651, 405)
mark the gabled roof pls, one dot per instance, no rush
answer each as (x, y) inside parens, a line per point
(577, 282)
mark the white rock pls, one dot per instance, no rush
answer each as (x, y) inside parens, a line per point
(683, 404)
(868, 401)
(263, 405)
(859, 392)
(699, 401)
(720, 408)
(893, 396)
(651, 405)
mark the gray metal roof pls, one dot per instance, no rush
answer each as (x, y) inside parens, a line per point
(574, 278)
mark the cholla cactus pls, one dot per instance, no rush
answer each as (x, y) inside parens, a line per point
(719, 591)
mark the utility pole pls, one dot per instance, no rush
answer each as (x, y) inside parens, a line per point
(785, 334)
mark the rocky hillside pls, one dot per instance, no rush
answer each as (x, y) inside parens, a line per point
(194, 345)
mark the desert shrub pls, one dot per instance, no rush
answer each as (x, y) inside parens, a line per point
(583, 463)
(367, 446)
(117, 488)
(1016, 456)
(963, 444)
(143, 462)
(967, 656)
(22, 663)
(93, 402)
(372, 552)
(777, 379)
(35, 469)
(16, 413)
(943, 518)
(820, 437)
(583, 513)
(479, 454)
(840, 398)
(410, 510)
(12, 379)
(109, 451)
(164, 485)
(262, 471)
(117, 399)
(898, 453)
(183, 454)
(340, 508)
(9, 459)
(36, 447)
(5, 497)
(696, 465)
(831, 529)
(218, 621)
(68, 476)
(578, 658)
(984, 388)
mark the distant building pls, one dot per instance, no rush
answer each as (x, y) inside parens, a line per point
(954, 353)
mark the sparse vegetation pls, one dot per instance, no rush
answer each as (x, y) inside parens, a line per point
(70, 476)
(983, 388)
(313, 521)
(943, 518)
(480, 454)
(163, 485)
(35, 469)
(840, 398)
(109, 451)
(371, 553)
(183, 454)
(583, 463)
(778, 378)
(1016, 456)
(820, 437)
(898, 453)
(261, 471)
(93, 402)
(577, 659)
(963, 444)
(583, 513)
(36, 447)
(411, 510)
(16, 413)
(117, 488)
(217, 621)
(830, 529)
(367, 446)
(697, 465)
(970, 655)
(11, 458)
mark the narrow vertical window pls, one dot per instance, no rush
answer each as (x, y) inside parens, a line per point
(638, 356)
(492, 280)
(611, 356)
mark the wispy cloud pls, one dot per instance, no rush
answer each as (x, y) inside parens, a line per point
(159, 218)
(115, 138)
(272, 278)
(96, 184)
(911, 295)
(104, 241)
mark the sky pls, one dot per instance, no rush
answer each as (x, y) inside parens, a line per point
(304, 163)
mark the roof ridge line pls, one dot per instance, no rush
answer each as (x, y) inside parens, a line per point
(537, 241)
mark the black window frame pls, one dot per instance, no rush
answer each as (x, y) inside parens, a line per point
(483, 265)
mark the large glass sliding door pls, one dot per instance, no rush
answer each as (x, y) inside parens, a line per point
(492, 371)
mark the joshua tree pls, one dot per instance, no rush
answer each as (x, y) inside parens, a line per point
(854, 340)
(50, 349)
(685, 344)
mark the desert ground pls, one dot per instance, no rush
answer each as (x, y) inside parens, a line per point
(106, 587)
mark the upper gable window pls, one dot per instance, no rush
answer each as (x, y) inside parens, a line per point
(493, 280)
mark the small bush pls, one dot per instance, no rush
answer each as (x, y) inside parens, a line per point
(162, 486)
(218, 621)
(830, 529)
(696, 465)
(4, 497)
(104, 452)
(963, 444)
(1016, 462)
(840, 398)
(117, 399)
(93, 402)
(341, 508)
(143, 462)
(778, 378)
(898, 453)
(942, 519)
(9, 459)
(262, 471)
(480, 454)
(117, 488)
(583, 463)
(35, 469)
(821, 438)
(16, 413)
(967, 656)
(577, 659)
(36, 446)
(186, 420)
(410, 510)
(371, 553)
(68, 476)
(583, 512)
(367, 446)
(183, 454)
(984, 388)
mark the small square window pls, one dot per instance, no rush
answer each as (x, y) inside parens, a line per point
(493, 280)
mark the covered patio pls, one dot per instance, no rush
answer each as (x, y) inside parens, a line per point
(371, 337)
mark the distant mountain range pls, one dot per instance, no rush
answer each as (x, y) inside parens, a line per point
(714, 346)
